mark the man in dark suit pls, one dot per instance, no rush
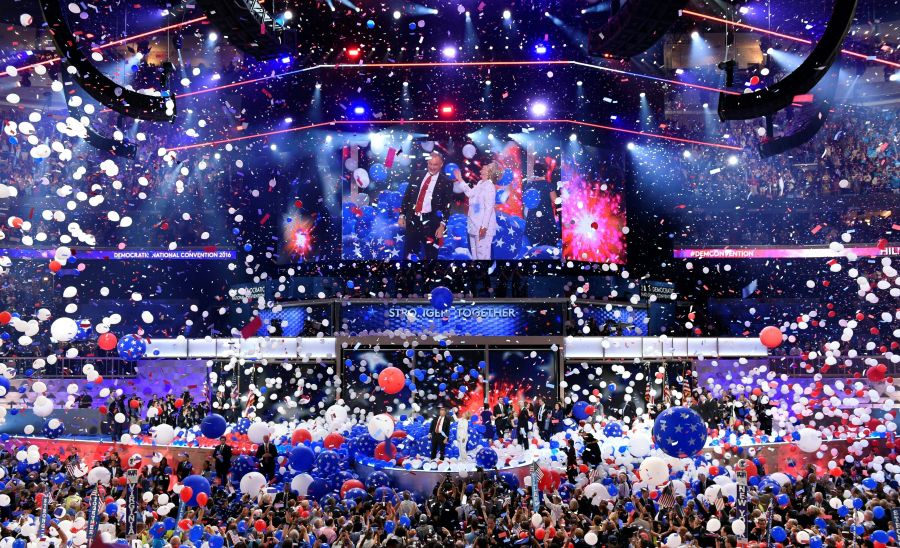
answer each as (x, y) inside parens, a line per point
(266, 455)
(440, 431)
(502, 417)
(542, 417)
(425, 210)
(222, 455)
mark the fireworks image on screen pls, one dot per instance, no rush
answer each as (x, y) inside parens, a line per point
(593, 216)
(298, 236)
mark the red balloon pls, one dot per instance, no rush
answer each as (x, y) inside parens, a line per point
(589, 410)
(107, 341)
(5, 317)
(186, 494)
(121, 480)
(551, 531)
(770, 337)
(351, 484)
(754, 80)
(134, 404)
(391, 380)
(300, 435)
(55, 266)
(333, 441)
(385, 452)
(184, 524)
(877, 372)
(202, 499)
(260, 525)
(179, 403)
(539, 533)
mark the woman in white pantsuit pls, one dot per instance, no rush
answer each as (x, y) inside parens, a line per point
(482, 218)
(462, 433)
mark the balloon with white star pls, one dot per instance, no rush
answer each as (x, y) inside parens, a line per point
(679, 432)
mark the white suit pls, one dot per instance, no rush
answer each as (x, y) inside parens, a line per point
(462, 436)
(482, 200)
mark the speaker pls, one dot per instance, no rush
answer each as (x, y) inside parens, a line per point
(770, 100)
(160, 108)
(250, 28)
(634, 29)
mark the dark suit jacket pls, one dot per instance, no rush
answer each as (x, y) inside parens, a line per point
(445, 428)
(441, 197)
(223, 456)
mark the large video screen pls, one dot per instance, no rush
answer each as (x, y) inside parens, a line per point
(522, 375)
(359, 386)
(484, 195)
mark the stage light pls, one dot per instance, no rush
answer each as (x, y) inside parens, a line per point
(732, 160)
(213, 37)
(318, 85)
(446, 110)
(579, 83)
(540, 49)
(288, 120)
(686, 154)
(539, 108)
(744, 10)
(705, 105)
(353, 53)
(770, 51)
(273, 147)
(573, 137)
(695, 35)
(507, 15)
(288, 15)
(359, 110)
(406, 84)
(487, 82)
(643, 95)
(630, 146)
(328, 138)
(397, 14)
(449, 52)
(286, 59)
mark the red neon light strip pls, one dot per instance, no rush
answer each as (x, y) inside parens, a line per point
(786, 37)
(418, 122)
(117, 42)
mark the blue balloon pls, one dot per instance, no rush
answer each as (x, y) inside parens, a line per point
(378, 172)
(131, 347)
(198, 484)
(216, 541)
(878, 512)
(302, 458)
(870, 483)
(112, 509)
(612, 430)
(389, 527)
(778, 534)
(783, 499)
(880, 536)
(441, 298)
(679, 432)
(213, 426)
(196, 533)
(486, 458)
(450, 170)
(579, 410)
(815, 542)
(4, 385)
(531, 198)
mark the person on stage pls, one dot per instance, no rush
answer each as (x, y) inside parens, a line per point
(523, 425)
(440, 431)
(462, 434)
(482, 218)
(542, 418)
(425, 210)
(502, 413)
(222, 454)
(267, 455)
(487, 419)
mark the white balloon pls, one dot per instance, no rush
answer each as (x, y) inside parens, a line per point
(99, 474)
(257, 431)
(654, 471)
(381, 426)
(640, 444)
(590, 538)
(673, 540)
(4, 499)
(738, 527)
(43, 406)
(713, 525)
(469, 151)
(361, 177)
(252, 483)
(810, 440)
(301, 483)
(63, 329)
(164, 434)
(536, 520)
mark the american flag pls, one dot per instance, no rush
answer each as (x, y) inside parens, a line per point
(77, 469)
(648, 392)
(720, 501)
(538, 473)
(686, 389)
(596, 474)
(667, 498)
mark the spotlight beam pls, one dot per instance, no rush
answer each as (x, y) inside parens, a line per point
(465, 122)
(856, 54)
(455, 64)
(118, 42)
